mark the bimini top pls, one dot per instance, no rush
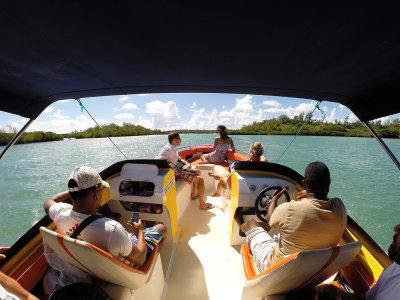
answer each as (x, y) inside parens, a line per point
(345, 52)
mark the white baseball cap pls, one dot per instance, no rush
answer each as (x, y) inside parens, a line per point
(84, 177)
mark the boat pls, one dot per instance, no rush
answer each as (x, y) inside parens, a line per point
(343, 53)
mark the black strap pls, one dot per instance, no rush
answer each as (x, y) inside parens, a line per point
(85, 223)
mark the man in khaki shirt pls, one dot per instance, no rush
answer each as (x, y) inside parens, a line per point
(312, 223)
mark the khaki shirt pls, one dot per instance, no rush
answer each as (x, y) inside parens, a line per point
(307, 224)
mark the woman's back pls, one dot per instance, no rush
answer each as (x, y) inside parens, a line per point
(218, 155)
(219, 140)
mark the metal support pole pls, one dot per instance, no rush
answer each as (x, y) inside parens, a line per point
(384, 146)
(15, 138)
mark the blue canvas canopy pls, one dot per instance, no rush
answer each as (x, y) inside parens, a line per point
(343, 52)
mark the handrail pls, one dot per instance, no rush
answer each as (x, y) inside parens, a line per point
(16, 138)
(384, 146)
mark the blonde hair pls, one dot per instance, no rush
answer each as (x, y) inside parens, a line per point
(256, 149)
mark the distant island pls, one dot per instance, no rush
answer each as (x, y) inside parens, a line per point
(282, 125)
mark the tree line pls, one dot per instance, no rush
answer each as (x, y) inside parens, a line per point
(282, 125)
(30, 137)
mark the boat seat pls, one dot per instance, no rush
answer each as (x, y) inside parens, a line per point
(358, 277)
(181, 185)
(98, 262)
(302, 269)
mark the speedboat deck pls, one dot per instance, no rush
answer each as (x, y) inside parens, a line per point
(205, 266)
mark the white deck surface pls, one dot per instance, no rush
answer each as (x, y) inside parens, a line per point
(205, 265)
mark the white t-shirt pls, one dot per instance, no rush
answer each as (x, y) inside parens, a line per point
(169, 153)
(4, 295)
(388, 284)
(104, 233)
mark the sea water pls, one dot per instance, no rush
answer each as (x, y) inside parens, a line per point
(363, 176)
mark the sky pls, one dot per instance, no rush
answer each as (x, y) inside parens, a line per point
(174, 111)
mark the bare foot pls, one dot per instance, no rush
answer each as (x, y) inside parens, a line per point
(216, 177)
(207, 206)
(215, 194)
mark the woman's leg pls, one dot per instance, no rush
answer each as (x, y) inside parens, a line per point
(222, 183)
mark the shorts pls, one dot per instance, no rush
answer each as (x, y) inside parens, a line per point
(185, 177)
(152, 236)
(260, 244)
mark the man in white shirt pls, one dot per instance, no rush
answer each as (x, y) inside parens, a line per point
(170, 153)
(85, 188)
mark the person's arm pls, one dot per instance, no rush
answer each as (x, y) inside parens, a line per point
(60, 197)
(139, 251)
(215, 144)
(15, 288)
(184, 161)
(274, 203)
(232, 145)
(2, 251)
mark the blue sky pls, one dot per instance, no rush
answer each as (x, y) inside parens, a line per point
(173, 111)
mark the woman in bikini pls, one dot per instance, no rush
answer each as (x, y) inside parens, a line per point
(221, 146)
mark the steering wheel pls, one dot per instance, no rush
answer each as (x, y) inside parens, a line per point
(264, 200)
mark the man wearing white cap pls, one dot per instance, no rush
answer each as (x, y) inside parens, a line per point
(85, 188)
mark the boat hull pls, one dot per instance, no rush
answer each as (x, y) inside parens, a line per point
(26, 263)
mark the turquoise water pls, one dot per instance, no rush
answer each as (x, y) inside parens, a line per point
(362, 173)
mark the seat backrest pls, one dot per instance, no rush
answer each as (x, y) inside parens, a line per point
(98, 262)
(302, 269)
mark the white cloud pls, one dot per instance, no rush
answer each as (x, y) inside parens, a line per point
(65, 101)
(352, 118)
(115, 109)
(273, 103)
(146, 123)
(124, 98)
(130, 106)
(48, 109)
(165, 115)
(15, 125)
(142, 95)
(124, 116)
(193, 105)
(202, 120)
(332, 116)
(341, 107)
(242, 113)
(292, 111)
(81, 122)
(58, 114)
(384, 120)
